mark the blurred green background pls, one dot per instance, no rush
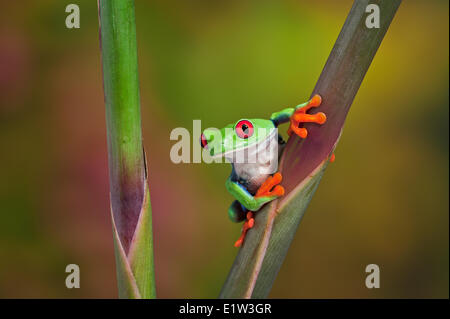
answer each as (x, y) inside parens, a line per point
(384, 200)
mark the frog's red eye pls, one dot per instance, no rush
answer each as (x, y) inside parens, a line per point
(244, 129)
(203, 141)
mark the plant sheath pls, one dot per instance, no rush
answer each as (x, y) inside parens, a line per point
(129, 192)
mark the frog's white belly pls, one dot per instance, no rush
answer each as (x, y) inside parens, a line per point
(256, 162)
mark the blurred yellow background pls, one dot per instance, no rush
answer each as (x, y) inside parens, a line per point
(384, 200)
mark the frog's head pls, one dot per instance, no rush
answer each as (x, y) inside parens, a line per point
(236, 137)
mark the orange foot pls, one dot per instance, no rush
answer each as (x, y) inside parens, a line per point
(269, 188)
(332, 158)
(249, 223)
(300, 116)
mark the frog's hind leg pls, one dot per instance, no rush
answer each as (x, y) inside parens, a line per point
(270, 188)
(249, 223)
(237, 212)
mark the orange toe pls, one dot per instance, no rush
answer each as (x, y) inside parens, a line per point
(277, 191)
(316, 100)
(269, 183)
(303, 132)
(332, 158)
(300, 131)
(276, 178)
(321, 118)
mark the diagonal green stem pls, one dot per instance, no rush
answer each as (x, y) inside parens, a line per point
(304, 161)
(130, 202)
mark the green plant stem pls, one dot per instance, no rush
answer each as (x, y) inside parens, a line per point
(130, 202)
(304, 161)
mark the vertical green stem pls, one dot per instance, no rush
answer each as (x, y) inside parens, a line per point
(130, 203)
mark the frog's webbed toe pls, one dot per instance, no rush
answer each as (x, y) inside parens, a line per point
(271, 187)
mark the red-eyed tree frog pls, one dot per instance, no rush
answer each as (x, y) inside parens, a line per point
(251, 182)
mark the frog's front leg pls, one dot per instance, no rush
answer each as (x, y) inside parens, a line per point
(298, 115)
(254, 203)
(267, 192)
